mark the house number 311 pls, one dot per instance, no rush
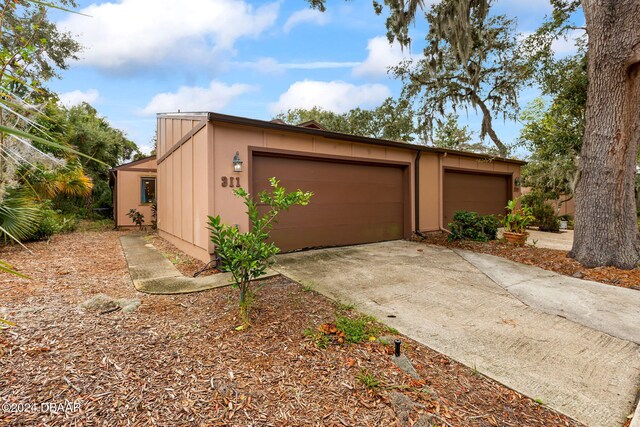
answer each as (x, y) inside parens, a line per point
(231, 181)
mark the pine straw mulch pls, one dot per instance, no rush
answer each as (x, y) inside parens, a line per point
(178, 360)
(548, 259)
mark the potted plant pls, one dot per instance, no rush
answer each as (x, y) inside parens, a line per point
(516, 222)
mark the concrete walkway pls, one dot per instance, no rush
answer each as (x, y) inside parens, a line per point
(152, 273)
(498, 317)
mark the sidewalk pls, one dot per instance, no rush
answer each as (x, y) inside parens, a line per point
(152, 273)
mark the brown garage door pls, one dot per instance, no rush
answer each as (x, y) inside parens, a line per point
(352, 203)
(481, 193)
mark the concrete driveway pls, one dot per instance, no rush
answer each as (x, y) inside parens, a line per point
(549, 348)
(562, 240)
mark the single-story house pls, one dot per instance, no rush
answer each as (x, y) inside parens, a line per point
(365, 189)
(134, 187)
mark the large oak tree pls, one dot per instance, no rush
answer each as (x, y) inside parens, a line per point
(606, 230)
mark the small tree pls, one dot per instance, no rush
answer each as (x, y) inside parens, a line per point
(248, 255)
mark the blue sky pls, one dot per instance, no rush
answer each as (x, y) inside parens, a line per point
(251, 59)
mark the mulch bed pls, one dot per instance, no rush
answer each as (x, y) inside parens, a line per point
(179, 360)
(548, 259)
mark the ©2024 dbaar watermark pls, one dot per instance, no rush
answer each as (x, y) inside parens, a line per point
(63, 407)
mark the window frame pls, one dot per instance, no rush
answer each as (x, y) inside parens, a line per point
(144, 179)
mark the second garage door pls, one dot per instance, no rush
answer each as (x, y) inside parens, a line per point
(482, 193)
(353, 202)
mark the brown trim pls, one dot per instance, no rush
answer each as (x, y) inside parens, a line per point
(138, 169)
(133, 163)
(114, 173)
(475, 171)
(224, 118)
(183, 140)
(405, 166)
(416, 185)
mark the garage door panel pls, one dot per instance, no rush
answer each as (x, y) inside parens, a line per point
(352, 203)
(334, 213)
(485, 194)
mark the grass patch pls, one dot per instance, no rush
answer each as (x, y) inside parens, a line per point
(367, 379)
(318, 338)
(359, 328)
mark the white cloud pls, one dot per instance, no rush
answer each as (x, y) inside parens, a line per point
(335, 96)
(195, 98)
(303, 16)
(132, 33)
(319, 65)
(382, 55)
(567, 45)
(76, 97)
(272, 66)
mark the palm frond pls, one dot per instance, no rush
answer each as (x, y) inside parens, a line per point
(19, 217)
(8, 268)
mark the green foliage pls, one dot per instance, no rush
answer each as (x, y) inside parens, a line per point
(5, 267)
(248, 255)
(318, 338)
(368, 379)
(518, 218)
(19, 216)
(359, 328)
(136, 217)
(545, 217)
(393, 120)
(482, 70)
(81, 128)
(471, 226)
(48, 225)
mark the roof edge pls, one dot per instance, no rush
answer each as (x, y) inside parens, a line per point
(226, 118)
(135, 162)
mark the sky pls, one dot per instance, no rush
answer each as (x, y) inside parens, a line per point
(250, 59)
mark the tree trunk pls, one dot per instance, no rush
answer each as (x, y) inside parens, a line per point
(606, 230)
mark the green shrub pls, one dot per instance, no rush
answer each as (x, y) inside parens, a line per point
(136, 217)
(545, 216)
(248, 255)
(48, 225)
(471, 226)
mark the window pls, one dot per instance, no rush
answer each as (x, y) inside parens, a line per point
(148, 190)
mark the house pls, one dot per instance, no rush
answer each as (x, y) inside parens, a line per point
(134, 187)
(365, 189)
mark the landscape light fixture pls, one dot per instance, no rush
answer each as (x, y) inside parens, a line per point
(237, 163)
(516, 183)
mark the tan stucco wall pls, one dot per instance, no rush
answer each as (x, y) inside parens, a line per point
(128, 192)
(431, 170)
(183, 191)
